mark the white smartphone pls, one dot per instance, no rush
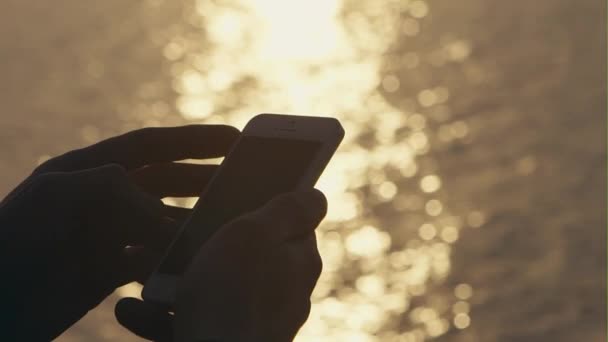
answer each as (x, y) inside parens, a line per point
(274, 154)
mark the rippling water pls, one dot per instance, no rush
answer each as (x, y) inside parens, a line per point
(467, 200)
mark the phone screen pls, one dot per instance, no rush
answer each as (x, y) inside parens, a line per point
(257, 170)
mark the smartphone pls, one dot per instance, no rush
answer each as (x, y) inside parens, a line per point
(275, 154)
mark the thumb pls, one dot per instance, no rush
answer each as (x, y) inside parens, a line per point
(292, 215)
(144, 319)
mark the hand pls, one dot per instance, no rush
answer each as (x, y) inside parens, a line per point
(91, 220)
(251, 282)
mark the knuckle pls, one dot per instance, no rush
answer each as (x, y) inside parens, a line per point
(322, 205)
(316, 205)
(64, 162)
(50, 165)
(142, 133)
(108, 181)
(305, 312)
(48, 189)
(305, 255)
(44, 167)
(229, 130)
(316, 264)
(44, 183)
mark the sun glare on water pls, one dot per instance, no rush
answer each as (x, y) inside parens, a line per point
(325, 57)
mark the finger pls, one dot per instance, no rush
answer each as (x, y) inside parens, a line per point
(121, 213)
(144, 319)
(148, 146)
(139, 262)
(136, 263)
(173, 179)
(296, 262)
(292, 215)
(305, 254)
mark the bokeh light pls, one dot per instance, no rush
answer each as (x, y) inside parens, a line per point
(473, 169)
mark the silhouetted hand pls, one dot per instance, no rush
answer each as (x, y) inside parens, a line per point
(91, 220)
(251, 281)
